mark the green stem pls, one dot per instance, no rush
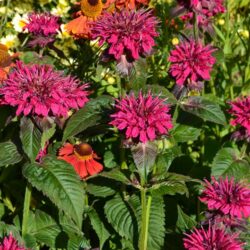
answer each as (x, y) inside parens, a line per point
(26, 207)
(145, 204)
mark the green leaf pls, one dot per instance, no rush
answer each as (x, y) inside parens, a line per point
(58, 180)
(227, 162)
(47, 134)
(99, 191)
(205, 109)
(9, 154)
(169, 188)
(162, 92)
(90, 115)
(164, 160)
(144, 155)
(99, 228)
(184, 222)
(184, 133)
(116, 175)
(156, 231)
(31, 138)
(120, 217)
(139, 75)
(109, 159)
(43, 227)
(156, 224)
(33, 57)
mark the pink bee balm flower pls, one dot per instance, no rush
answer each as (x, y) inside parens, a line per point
(40, 90)
(204, 8)
(43, 24)
(143, 118)
(240, 109)
(211, 239)
(10, 243)
(227, 196)
(129, 33)
(191, 61)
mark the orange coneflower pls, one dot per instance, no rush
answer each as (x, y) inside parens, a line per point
(128, 4)
(5, 62)
(82, 158)
(80, 26)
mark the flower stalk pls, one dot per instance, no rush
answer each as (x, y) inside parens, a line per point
(146, 205)
(26, 207)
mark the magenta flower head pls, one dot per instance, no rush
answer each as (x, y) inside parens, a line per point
(191, 62)
(227, 197)
(205, 7)
(10, 243)
(129, 34)
(142, 118)
(43, 27)
(240, 110)
(40, 90)
(44, 24)
(212, 239)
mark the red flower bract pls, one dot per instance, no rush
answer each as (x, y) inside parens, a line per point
(240, 109)
(40, 90)
(191, 61)
(143, 118)
(43, 24)
(211, 239)
(129, 33)
(227, 196)
(82, 158)
(10, 243)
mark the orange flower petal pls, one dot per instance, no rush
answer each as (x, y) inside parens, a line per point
(82, 169)
(93, 167)
(67, 149)
(79, 27)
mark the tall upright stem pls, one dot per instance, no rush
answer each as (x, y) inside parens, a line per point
(145, 204)
(26, 207)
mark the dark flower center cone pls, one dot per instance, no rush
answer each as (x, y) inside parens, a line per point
(83, 149)
(91, 8)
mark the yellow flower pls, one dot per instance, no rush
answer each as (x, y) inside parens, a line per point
(61, 9)
(221, 22)
(244, 33)
(111, 80)
(10, 41)
(175, 41)
(19, 22)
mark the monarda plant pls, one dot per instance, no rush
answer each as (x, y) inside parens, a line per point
(124, 125)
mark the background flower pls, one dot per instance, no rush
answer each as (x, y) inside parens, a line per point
(127, 33)
(212, 238)
(240, 110)
(10, 243)
(191, 60)
(227, 196)
(40, 90)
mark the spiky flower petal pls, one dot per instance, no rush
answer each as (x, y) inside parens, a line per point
(10, 243)
(227, 196)
(44, 24)
(191, 61)
(211, 239)
(40, 90)
(240, 110)
(143, 118)
(127, 33)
